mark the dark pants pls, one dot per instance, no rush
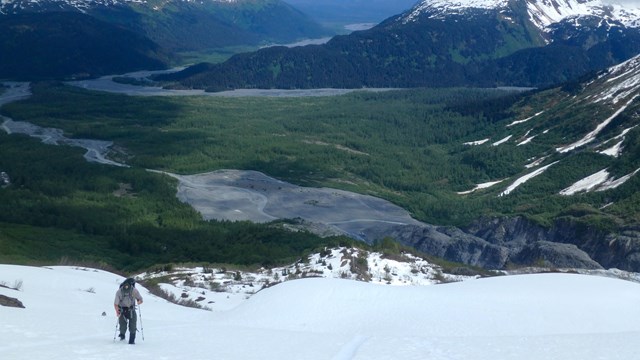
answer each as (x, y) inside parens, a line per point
(131, 319)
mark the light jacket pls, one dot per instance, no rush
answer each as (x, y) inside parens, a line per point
(126, 299)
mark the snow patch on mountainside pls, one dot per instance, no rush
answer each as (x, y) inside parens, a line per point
(221, 289)
(624, 80)
(546, 12)
(599, 181)
(477, 142)
(542, 13)
(440, 7)
(616, 150)
(617, 89)
(592, 135)
(524, 120)
(536, 162)
(16, 6)
(524, 179)
(502, 141)
(480, 187)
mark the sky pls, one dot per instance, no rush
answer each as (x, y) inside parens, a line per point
(523, 317)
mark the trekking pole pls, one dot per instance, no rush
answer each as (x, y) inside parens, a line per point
(140, 315)
(116, 332)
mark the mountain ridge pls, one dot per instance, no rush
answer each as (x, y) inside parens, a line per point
(476, 47)
(174, 27)
(542, 13)
(189, 25)
(59, 45)
(19, 6)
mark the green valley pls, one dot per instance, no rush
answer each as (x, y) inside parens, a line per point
(407, 146)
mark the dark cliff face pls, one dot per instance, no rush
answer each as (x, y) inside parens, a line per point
(500, 243)
(507, 231)
(451, 244)
(568, 242)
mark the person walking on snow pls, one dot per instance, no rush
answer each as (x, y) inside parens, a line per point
(125, 305)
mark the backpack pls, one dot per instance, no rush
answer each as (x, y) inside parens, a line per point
(130, 281)
(127, 293)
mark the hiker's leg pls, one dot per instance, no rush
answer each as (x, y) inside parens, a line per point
(123, 325)
(132, 327)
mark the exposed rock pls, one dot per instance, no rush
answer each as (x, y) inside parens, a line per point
(10, 302)
(623, 250)
(619, 249)
(514, 231)
(548, 254)
(451, 244)
(497, 243)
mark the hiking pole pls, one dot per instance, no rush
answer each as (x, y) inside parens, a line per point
(140, 315)
(116, 332)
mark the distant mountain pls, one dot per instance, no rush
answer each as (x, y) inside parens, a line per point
(351, 11)
(65, 44)
(441, 43)
(189, 25)
(68, 38)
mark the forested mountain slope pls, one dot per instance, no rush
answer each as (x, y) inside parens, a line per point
(58, 45)
(543, 177)
(437, 43)
(579, 162)
(71, 34)
(188, 25)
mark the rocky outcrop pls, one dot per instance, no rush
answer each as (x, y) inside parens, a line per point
(505, 248)
(550, 254)
(10, 302)
(499, 243)
(618, 248)
(451, 244)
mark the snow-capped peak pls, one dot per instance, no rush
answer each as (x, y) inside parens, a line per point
(546, 12)
(542, 13)
(17, 6)
(441, 7)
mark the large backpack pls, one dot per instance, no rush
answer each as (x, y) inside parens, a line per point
(127, 293)
(130, 281)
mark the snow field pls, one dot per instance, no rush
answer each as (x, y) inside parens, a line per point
(543, 316)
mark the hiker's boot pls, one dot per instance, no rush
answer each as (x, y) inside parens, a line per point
(132, 339)
(121, 337)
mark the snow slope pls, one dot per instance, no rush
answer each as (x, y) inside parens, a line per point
(544, 316)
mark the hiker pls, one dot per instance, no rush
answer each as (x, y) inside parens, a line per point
(125, 305)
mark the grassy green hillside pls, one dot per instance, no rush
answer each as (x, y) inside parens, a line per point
(405, 146)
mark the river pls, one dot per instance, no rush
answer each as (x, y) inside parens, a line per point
(107, 84)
